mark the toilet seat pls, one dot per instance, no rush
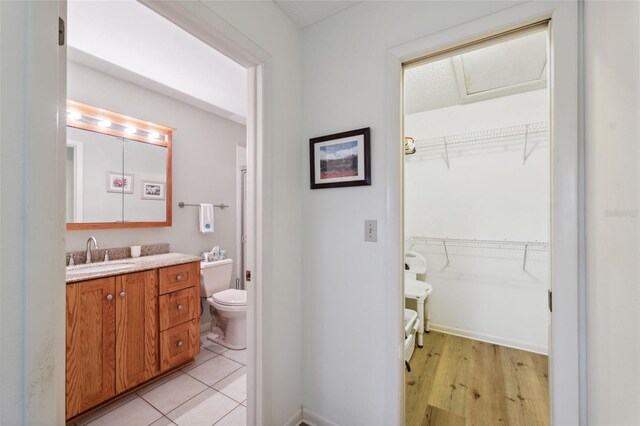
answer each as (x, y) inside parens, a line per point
(231, 297)
(415, 289)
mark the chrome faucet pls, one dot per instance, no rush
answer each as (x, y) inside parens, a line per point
(95, 243)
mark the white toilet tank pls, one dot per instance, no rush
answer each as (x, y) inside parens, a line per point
(215, 276)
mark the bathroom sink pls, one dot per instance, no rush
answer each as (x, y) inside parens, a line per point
(95, 269)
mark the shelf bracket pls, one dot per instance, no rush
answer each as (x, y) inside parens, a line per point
(446, 152)
(526, 139)
(524, 261)
(446, 252)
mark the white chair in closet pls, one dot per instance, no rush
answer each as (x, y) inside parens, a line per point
(415, 264)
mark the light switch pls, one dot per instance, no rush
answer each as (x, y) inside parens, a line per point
(371, 230)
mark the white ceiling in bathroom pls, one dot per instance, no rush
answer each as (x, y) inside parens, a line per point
(305, 13)
(130, 41)
(513, 66)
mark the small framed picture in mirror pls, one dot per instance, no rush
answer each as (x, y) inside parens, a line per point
(153, 191)
(119, 182)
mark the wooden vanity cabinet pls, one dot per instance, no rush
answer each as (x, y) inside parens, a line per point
(179, 314)
(91, 344)
(136, 329)
(121, 332)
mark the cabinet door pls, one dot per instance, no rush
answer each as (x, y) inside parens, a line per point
(137, 328)
(179, 344)
(91, 340)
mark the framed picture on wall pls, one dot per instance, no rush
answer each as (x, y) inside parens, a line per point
(341, 159)
(153, 190)
(119, 182)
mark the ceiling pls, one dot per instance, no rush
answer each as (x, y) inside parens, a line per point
(305, 13)
(513, 66)
(128, 40)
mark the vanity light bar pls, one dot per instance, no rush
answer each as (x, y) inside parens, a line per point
(125, 128)
(74, 115)
(100, 120)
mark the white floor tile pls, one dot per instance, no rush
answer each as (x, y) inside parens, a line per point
(104, 410)
(134, 413)
(214, 347)
(203, 410)
(169, 395)
(214, 370)
(203, 356)
(164, 421)
(238, 356)
(159, 382)
(238, 417)
(234, 385)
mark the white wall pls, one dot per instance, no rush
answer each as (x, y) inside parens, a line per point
(343, 74)
(486, 193)
(612, 130)
(203, 163)
(350, 375)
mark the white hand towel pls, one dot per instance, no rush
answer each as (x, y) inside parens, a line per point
(206, 218)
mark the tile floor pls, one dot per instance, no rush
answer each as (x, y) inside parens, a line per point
(211, 391)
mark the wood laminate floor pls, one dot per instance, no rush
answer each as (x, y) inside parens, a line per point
(460, 382)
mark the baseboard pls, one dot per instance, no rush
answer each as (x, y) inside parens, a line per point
(516, 344)
(313, 419)
(296, 419)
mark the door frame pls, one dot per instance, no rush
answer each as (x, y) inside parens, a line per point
(78, 179)
(204, 24)
(567, 363)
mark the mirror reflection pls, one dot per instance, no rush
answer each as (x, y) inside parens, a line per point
(113, 180)
(147, 166)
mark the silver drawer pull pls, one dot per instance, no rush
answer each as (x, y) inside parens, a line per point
(122, 294)
(179, 277)
(109, 297)
(180, 307)
(179, 343)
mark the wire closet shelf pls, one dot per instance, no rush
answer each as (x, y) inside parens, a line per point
(445, 243)
(510, 134)
(484, 136)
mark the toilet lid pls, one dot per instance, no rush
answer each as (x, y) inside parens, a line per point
(231, 297)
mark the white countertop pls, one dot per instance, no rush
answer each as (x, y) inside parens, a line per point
(137, 264)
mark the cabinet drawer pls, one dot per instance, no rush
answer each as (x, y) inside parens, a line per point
(177, 277)
(179, 344)
(178, 307)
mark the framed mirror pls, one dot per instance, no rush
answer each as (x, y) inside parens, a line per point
(118, 170)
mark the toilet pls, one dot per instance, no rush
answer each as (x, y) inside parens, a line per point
(415, 264)
(228, 306)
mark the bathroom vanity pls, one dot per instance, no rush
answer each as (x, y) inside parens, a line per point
(128, 322)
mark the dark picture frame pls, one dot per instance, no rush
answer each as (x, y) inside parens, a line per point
(340, 160)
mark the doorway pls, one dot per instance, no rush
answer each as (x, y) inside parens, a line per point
(477, 209)
(249, 215)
